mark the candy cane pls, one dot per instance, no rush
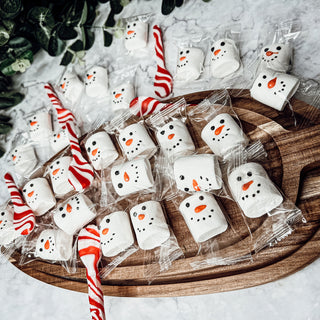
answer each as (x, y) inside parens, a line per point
(163, 79)
(23, 217)
(89, 248)
(141, 106)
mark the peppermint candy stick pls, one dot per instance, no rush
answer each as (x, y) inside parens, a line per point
(23, 217)
(89, 249)
(163, 80)
(142, 106)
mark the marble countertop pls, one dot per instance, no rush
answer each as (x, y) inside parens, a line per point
(295, 297)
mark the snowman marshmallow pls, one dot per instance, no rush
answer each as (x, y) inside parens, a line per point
(136, 35)
(7, 230)
(274, 89)
(39, 126)
(59, 140)
(199, 172)
(222, 134)
(100, 150)
(225, 58)
(203, 216)
(96, 82)
(149, 224)
(132, 176)
(190, 64)
(122, 95)
(58, 171)
(54, 245)
(23, 159)
(74, 214)
(174, 139)
(276, 57)
(71, 87)
(115, 233)
(38, 196)
(135, 140)
(253, 190)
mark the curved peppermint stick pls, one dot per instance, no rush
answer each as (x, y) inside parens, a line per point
(142, 106)
(23, 217)
(163, 80)
(89, 248)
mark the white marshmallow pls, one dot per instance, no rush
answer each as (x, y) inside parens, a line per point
(71, 87)
(115, 233)
(96, 82)
(132, 176)
(253, 190)
(225, 58)
(276, 57)
(136, 35)
(203, 216)
(74, 214)
(174, 139)
(222, 134)
(23, 159)
(122, 95)
(135, 140)
(274, 89)
(58, 171)
(54, 245)
(59, 141)
(190, 64)
(200, 172)
(40, 126)
(38, 196)
(149, 224)
(7, 230)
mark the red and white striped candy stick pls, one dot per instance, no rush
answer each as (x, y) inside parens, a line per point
(23, 217)
(89, 249)
(163, 81)
(141, 106)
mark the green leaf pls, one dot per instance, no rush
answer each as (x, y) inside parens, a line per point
(9, 9)
(67, 58)
(75, 13)
(5, 128)
(5, 82)
(107, 37)
(4, 36)
(18, 46)
(89, 38)
(110, 22)
(103, 1)
(6, 66)
(116, 6)
(179, 3)
(125, 2)
(42, 17)
(2, 152)
(10, 99)
(67, 33)
(4, 118)
(56, 46)
(167, 6)
(77, 46)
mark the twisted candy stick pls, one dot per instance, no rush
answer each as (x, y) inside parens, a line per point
(23, 217)
(163, 79)
(90, 254)
(142, 106)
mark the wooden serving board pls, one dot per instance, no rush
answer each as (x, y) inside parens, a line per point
(293, 164)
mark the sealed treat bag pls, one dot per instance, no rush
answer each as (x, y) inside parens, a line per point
(59, 140)
(96, 82)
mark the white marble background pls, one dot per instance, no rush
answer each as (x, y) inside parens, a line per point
(296, 297)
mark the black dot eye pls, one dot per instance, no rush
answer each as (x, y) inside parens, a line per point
(130, 133)
(24, 190)
(181, 177)
(135, 214)
(212, 128)
(221, 121)
(122, 89)
(264, 77)
(58, 162)
(117, 172)
(89, 149)
(31, 185)
(114, 92)
(134, 24)
(143, 208)
(108, 220)
(94, 143)
(212, 49)
(61, 208)
(128, 26)
(201, 198)
(239, 178)
(171, 127)
(162, 132)
(40, 249)
(259, 84)
(120, 185)
(2, 213)
(41, 240)
(94, 72)
(123, 139)
(249, 174)
(63, 215)
(187, 51)
(222, 43)
(181, 52)
(87, 74)
(266, 49)
(64, 78)
(187, 204)
(278, 48)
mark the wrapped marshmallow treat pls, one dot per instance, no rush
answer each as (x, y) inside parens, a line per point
(115, 233)
(59, 140)
(122, 95)
(96, 82)
(39, 125)
(149, 224)
(39, 196)
(71, 87)
(23, 158)
(136, 34)
(274, 89)
(74, 213)
(7, 231)
(54, 245)
(253, 190)
(203, 216)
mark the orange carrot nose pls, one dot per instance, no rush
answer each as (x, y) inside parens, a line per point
(128, 142)
(272, 83)
(182, 58)
(105, 231)
(55, 171)
(63, 85)
(218, 130)
(199, 208)
(195, 185)
(89, 76)
(246, 186)
(58, 135)
(69, 208)
(269, 53)
(14, 158)
(47, 245)
(30, 194)
(216, 52)
(0, 221)
(130, 32)
(170, 136)
(33, 123)
(118, 95)
(94, 152)
(141, 216)
(126, 177)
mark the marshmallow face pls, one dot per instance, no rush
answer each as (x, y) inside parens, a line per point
(122, 96)
(115, 233)
(136, 35)
(54, 245)
(132, 176)
(199, 172)
(23, 159)
(222, 134)
(100, 150)
(59, 141)
(38, 196)
(7, 231)
(74, 214)
(58, 171)
(135, 140)
(253, 190)
(149, 224)
(40, 126)
(203, 216)
(71, 87)
(276, 57)
(96, 82)
(274, 90)
(174, 139)
(225, 58)
(190, 64)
